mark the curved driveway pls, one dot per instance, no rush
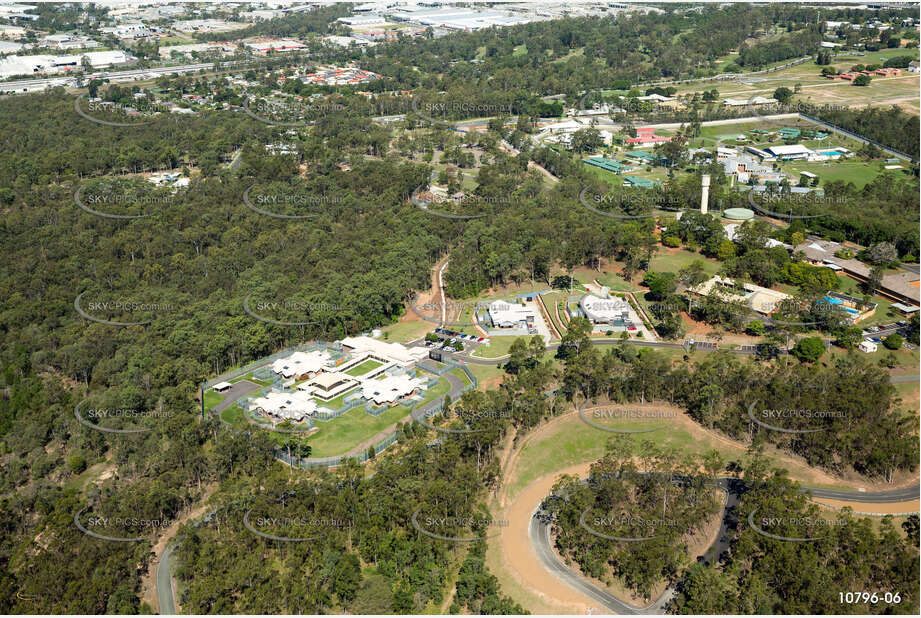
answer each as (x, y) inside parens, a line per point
(539, 534)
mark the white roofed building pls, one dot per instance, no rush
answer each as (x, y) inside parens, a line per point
(41, 63)
(303, 364)
(788, 153)
(295, 406)
(762, 300)
(384, 351)
(391, 389)
(604, 310)
(326, 386)
(503, 314)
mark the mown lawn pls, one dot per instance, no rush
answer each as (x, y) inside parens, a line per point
(341, 434)
(672, 261)
(212, 398)
(404, 332)
(498, 346)
(858, 172)
(363, 368)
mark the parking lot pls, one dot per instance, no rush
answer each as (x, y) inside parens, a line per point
(887, 329)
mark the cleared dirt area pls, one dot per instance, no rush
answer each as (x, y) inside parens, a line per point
(513, 560)
(545, 593)
(892, 508)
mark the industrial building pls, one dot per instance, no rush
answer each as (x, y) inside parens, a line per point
(265, 46)
(50, 65)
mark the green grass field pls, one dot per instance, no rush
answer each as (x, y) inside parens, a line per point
(858, 172)
(343, 433)
(486, 373)
(616, 282)
(234, 416)
(363, 368)
(552, 301)
(574, 442)
(498, 346)
(250, 377)
(212, 398)
(336, 402)
(460, 375)
(404, 332)
(674, 261)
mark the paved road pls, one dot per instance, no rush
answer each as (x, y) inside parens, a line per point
(235, 393)
(476, 360)
(165, 582)
(25, 85)
(876, 497)
(539, 533)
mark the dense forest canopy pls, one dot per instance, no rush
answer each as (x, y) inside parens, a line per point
(182, 261)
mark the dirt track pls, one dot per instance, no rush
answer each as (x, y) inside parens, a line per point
(519, 559)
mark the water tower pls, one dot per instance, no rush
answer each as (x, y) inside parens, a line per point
(704, 193)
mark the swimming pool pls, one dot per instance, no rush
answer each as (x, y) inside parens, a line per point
(837, 301)
(832, 153)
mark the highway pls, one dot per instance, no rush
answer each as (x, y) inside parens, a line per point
(539, 534)
(31, 85)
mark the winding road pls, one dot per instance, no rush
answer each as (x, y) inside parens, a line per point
(165, 596)
(539, 534)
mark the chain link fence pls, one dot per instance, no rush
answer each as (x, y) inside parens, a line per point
(416, 413)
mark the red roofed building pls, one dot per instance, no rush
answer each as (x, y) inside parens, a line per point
(646, 136)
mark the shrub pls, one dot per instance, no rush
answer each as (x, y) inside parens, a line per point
(809, 349)
(671, 241)
(77, 464)
(893, 341)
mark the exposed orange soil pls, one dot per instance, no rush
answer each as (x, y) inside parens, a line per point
(519, 559)
(892, 508)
